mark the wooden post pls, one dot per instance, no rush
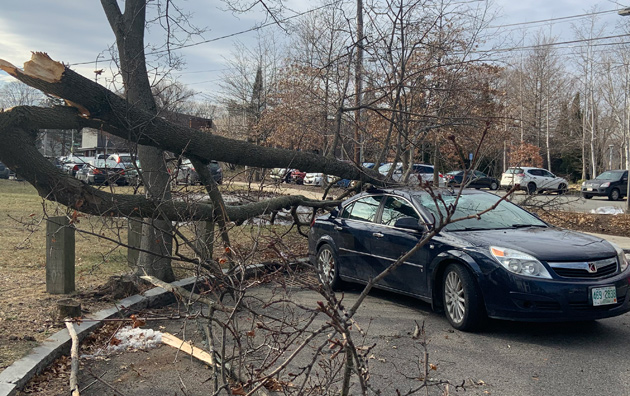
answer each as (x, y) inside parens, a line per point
(59, 256)
(205, 239)
(134, 237)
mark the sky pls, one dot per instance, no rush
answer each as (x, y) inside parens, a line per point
(76, 32)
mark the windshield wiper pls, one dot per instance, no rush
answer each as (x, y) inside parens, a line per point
(527, 225)
(468, 229)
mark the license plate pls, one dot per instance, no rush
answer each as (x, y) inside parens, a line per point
(604, 295)
(589, 189)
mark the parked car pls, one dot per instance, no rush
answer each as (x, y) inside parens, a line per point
(505, 264)
(345, 183)
(420, 173)
(278, 175)
(102, 172)
(121, 158)
(295, 176)
(73, 163)
(186, 173)
(612, 184)
(474, 179)
(314, 179)
(4, 171)
(533, 180)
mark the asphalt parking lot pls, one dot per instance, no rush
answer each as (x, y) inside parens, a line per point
(506, 358)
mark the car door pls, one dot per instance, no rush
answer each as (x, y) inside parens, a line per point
(624, 184)
(481, 180)
(535, 176)
(551, 182)
(390, 243)
(355, 227)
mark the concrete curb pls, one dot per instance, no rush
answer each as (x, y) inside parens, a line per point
(14, 377)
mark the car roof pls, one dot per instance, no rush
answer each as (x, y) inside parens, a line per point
(408, 192)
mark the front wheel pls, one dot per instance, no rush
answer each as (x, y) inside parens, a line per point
(494, 186)
(586, 196)
(562, 188)
(328, 267)
(614, 195)
(462, 299)
(531, 188)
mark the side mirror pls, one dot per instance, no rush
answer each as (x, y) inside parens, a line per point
(409, 223)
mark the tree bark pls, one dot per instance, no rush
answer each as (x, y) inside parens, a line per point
(110, 111)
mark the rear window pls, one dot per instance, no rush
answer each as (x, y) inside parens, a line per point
(514, 170)
(422, 169)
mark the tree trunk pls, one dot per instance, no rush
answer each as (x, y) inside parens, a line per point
(154, 257)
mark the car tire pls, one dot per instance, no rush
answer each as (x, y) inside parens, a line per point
(494, 186)
(562, 188)
(614, 195)
(531, 188)
(586, 196)
(462, 299)
(328, 267)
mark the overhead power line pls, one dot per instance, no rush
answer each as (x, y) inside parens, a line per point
(553, 19)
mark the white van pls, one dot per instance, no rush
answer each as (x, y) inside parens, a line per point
(121, 158)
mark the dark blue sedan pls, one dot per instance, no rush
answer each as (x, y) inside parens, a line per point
(504, 264)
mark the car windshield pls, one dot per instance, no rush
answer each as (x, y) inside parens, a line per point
(610, 175)
(505, 215)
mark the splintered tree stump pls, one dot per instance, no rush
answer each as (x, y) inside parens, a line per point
(68, 308)
(118, 287)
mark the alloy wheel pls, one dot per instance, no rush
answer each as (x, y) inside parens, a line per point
(455, 298)
(326, 263)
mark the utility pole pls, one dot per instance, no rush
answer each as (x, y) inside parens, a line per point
(358, 85)
(626, 12)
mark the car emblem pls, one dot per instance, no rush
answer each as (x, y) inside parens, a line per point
(592, 268)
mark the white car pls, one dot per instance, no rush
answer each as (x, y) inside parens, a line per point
(314, 179)
(419, 173)
(533, 180)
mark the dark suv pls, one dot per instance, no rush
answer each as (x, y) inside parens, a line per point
(612, 184)
(4, 171)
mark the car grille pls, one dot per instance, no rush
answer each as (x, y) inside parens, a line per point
(605, 268)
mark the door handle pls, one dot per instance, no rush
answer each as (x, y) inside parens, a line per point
(377, 235)
(338, 228)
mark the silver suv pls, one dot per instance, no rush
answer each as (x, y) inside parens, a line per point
(533, 180)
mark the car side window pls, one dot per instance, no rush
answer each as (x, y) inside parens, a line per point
(362, 209)
(534, 172)
(548, 174)
(396, 208)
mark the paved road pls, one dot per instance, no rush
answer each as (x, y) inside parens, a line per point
(569, 202)
(507, 358)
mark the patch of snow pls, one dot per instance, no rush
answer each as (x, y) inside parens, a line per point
(129, 338)
(607, 210)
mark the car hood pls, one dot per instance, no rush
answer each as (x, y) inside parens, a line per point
(598, 182)
(546, 244)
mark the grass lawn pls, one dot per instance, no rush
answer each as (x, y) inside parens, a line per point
(25, 307)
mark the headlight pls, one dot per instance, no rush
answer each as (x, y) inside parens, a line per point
(583, 183)
(519, 262)
(621, 257)
(604, 185)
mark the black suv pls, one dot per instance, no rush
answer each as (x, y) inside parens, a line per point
(612, 184)
(4, 171)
